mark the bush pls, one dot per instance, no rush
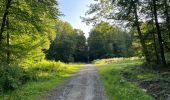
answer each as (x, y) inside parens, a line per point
(10, 77)
(48, 66)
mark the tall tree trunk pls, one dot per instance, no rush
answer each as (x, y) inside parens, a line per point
(8, 4)
(155, 47)
(144, 48)
(167, 16)
(154, 38)
(159, 33)
(8, 42)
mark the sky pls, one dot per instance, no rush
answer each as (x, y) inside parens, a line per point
(72, 10)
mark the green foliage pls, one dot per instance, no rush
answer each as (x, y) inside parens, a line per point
(99, 11)
(38, 71)
(81, 52)
(31, 26)
(151, 41)
(26, 28)
(43, 77)
(69, 44)
(106, 41)
(63, 47)
(148, 20)
(10, 77)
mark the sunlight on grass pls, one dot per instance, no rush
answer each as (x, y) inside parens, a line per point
(50, 75)
(111, 60)
(116, 86)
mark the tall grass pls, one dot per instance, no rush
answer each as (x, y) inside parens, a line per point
(32, 81)
(111, 60)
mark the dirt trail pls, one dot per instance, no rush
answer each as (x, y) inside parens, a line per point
(84, 85)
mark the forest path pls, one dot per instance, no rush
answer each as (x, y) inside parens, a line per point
(83, 85)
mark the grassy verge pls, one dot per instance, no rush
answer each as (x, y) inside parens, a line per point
(47, 75)
(117, 87)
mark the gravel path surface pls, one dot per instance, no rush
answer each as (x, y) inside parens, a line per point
(84, 85)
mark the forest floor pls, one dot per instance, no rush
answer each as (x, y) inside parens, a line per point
(83, 85)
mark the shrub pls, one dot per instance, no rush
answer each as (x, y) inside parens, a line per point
(48, 66)
(10, 77)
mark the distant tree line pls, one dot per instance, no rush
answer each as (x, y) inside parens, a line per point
(69, 44)
(104, 41)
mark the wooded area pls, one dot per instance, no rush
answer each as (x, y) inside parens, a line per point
(147, 19)
(31, 32)
(26, 28)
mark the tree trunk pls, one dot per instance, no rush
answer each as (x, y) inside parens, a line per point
(159, 33)
(167, 16)
(144, 48)
(8, 44)
(154, 38)
(8, 4)
(155, 47)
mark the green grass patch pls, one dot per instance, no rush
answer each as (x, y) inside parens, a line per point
(116, 86)
(45, 77)
(111, 60)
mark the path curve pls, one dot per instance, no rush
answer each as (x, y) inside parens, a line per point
(84, 85)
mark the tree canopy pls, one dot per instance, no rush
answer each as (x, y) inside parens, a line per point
(149, 21)
(25, 28)
(106, 41)
(69, 44)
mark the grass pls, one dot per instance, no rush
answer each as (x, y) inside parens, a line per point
(50, 75)
(122, 78)
(117, 87)
(111, 60)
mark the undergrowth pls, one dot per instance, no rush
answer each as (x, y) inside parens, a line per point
(131, 79)
(116, 86)
(30, 82)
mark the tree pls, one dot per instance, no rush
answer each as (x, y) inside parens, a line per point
(135, 13)
(81, 52)
(69, 44)
(4, 18)
(166, 13)
(122, 10)
(106, 41)
(140, 33)
(28, 28)
(159, 33)
(63, 47)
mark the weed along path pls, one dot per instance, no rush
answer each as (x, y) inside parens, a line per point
(84, 85)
